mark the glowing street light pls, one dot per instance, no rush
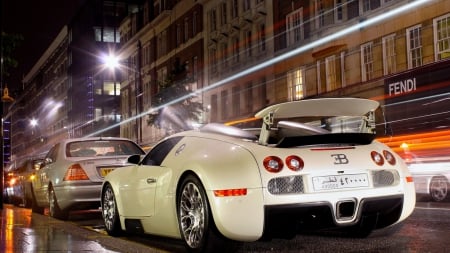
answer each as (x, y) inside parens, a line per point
(111, 61)
(33, 122)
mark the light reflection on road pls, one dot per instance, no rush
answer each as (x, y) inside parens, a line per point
(22, 231)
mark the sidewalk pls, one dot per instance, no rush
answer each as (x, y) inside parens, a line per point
(22, 231)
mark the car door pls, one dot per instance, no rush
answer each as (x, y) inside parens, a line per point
(40, 182)
(145, 180)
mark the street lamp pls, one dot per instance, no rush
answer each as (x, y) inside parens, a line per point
(5, 99)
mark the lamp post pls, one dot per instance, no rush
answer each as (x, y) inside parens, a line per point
(5, 98)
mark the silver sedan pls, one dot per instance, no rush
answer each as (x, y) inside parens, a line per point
(73, 171)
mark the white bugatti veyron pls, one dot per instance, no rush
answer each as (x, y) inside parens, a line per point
(314, 164)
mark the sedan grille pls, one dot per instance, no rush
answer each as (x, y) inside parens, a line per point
(286, 185)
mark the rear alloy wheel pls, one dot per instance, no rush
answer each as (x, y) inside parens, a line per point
(438, 188)
(195, 221)
(54, 209)
(110, 213)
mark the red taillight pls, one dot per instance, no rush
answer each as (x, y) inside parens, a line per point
(230, 192)
(390, 158)
(294, 163)
(409, 179)
(377, 158)
(273, 164)
(75, 172)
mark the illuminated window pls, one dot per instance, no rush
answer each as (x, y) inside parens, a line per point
(442, 37)
(414, 46)
(295, 82)
(389, 62)
(294, 27)
(367, 61)
(111, 88)
(107, 34)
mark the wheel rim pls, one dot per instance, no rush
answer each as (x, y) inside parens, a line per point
(192, 215)
(438, 189)
(109, 208)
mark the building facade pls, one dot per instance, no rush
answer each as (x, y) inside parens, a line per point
(159, 38)
(240, 56)
(67, 93)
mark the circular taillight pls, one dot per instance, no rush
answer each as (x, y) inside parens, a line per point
(377, 158)
(390, 158)
(294, 163)
(273, 164)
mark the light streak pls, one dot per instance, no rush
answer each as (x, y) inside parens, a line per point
(354, 28)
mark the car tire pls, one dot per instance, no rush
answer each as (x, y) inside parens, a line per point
(110, 214)
(439, 188)
(54, 210)
(34, 206)
(195, 221)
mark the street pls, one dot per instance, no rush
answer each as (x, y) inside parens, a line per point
(426, 230)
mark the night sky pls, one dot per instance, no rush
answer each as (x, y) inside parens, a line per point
(39, 22)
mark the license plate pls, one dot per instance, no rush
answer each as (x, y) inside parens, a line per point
(340, 182)
(105, 171)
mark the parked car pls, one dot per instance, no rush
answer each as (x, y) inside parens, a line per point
(432, 179)
(24, 171)
(72, 173)
(314, 164)
(9, 183)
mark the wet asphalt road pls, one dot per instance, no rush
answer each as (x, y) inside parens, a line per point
(427, 230)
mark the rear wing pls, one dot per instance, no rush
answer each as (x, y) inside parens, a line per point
(317, 108)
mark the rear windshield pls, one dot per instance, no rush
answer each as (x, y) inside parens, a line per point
(93, 148)
(324, 130)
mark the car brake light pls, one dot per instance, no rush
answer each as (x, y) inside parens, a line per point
(377, 158)
(273, 164)
(294, 163)
(75, 172)
(390, 158)
(409, 179)
(230, 192)
(12, 181)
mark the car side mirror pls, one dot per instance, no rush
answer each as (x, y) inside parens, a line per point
(134, 159)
